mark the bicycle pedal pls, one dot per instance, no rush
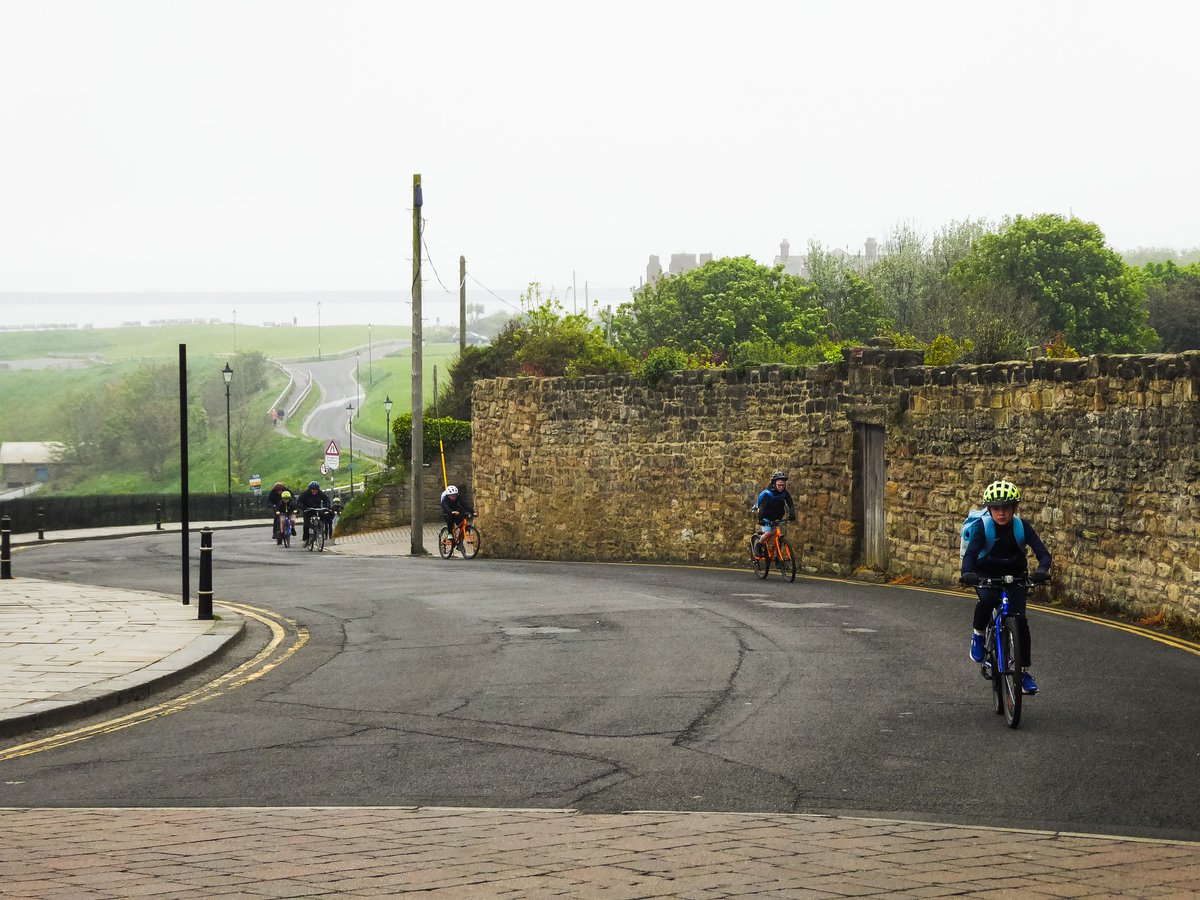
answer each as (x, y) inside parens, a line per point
(986, 671)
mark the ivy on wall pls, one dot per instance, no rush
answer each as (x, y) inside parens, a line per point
(451, 432)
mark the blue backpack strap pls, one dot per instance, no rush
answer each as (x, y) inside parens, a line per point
(1019, 531)
(989, 535)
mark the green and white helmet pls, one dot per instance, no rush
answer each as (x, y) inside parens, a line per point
(1001, 493)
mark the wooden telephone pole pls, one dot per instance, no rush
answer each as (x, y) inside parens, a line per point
(418, 421)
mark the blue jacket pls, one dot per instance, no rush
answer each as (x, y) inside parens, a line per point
(1005, 557)
(771, 505)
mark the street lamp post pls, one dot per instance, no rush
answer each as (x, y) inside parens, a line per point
(227, 374)
(358, 382)
(318, 331)
(370, 359)
(387, 405)
(350, 428)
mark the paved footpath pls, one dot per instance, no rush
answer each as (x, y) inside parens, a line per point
(66, 648)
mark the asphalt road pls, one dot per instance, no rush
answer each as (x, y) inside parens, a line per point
(607, 688)
(338, 381)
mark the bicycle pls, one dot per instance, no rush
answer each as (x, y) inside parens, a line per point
(1002, 651)
(287, 527)
(774, 547)
(314, 527)
(465, 539)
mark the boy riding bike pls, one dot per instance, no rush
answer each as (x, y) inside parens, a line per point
(996, 547)
(771, 505)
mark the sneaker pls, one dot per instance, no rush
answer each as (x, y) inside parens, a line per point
(976, 648)
(1028, 685)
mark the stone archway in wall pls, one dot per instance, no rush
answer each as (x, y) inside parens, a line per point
(867, 495)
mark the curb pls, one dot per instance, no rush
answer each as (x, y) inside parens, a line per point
(167, 672)
(30, 538)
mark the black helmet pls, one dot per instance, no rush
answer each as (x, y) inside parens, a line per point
(779, 476)
(314, 484)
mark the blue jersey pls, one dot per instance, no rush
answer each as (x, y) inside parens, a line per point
(772, 504)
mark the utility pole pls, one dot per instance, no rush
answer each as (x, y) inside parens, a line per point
(462, 305)
(418, 421)
(574, 293)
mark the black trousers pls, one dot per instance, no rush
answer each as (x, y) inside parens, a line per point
(989, 599)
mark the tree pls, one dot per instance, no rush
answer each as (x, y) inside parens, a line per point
(1061, 270)
(1173, 294)
(717, 306)
(852, 305)
(544, 340)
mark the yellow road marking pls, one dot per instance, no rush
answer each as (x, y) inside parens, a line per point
(251, 670)
(1177, 643)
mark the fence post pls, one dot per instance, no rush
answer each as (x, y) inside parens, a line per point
(158, 517)
(206, 592)
(5, 551)
(41, 524)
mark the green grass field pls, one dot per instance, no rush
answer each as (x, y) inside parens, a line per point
(34, 402)
(159, 342)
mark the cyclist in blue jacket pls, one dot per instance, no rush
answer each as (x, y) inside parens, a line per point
(997, 551)
(772, 504)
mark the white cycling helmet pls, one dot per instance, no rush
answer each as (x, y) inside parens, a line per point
(451, 490)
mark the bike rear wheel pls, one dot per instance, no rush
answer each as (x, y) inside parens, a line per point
(762, 562)
(470, 543)
(445, 543)
(787, 560)
(1010, 679)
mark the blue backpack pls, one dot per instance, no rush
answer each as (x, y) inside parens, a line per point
(984, 517)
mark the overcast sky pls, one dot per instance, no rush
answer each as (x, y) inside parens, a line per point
(254, 145)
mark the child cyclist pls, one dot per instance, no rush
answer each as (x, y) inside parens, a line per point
(771, 506)
(996, 551)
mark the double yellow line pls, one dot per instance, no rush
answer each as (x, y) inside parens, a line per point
(283, 631)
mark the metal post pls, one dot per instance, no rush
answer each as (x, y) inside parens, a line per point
(158, 517)
(5, 550)
(462, 305)
(41, 524)
(183, 478)
(228, 374)
(350, 428)
(204, 595)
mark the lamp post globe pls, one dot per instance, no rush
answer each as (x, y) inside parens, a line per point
(227, 374)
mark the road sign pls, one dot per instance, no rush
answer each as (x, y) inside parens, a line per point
(324, 469)
(333, 456)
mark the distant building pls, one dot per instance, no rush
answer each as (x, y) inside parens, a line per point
(792, 265)
(680, 263)
(798, 265)
(29, 462)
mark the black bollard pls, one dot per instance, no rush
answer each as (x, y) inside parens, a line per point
(158, 517)
(206, 592)
(5, 551)
(41, 524)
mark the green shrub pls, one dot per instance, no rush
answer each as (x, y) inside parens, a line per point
(660, 361)
(451, 432)
(944, 350)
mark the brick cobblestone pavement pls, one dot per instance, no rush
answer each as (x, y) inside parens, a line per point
(115, 636)
(464, 853)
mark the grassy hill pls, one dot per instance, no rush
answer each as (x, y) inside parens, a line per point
(36, 403)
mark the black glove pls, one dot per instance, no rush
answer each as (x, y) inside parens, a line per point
(1041, 576)
(971, 578)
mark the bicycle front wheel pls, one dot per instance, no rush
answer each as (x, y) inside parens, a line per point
(320, 537)
(1010, 679)
(761, 559)
(470, 543)
(445, 543)
(787, 560)
(287, 535)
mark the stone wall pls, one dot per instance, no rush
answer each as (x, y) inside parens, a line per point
(391, 506)
(1105, 450)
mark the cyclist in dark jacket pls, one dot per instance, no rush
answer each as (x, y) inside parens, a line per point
(773, 505)
(1006, 556)
(313, 498)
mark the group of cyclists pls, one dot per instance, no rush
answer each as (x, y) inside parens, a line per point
(995, 545)
(313, 505)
